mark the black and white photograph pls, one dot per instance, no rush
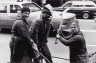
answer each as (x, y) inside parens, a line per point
(47, 31)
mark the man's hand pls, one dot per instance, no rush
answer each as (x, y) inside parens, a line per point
(35, 46)
(58, 36)
(58, 31)
(31, 42)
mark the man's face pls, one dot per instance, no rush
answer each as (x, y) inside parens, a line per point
(46, 16)
(74, 28)
(25, 14)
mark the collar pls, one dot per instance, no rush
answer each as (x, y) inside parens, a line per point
(78, 33)
(23, 19)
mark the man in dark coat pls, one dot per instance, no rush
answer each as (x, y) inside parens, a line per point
(76, 43)
(21, 44)
(41, 31)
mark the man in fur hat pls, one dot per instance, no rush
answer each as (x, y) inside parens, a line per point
(41, 31)
(64, 27)
(76, 43)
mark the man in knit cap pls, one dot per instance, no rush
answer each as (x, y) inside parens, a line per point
(21, 44)
(41, 31)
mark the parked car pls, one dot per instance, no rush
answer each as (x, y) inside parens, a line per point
(9, 12)
(82, 9)
(8, 16)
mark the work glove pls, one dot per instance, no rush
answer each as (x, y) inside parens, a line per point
(58, 36)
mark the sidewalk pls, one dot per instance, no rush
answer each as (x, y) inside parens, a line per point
(60, 59)
(55, 60)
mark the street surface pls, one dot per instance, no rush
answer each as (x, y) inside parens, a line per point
(59, 51)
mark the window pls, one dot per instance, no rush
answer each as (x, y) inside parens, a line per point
(68, 5)
(14, 8)
(3, 8)
(77, 5)
(33, 7)
(89, 6)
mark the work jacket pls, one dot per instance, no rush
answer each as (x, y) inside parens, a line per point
(41, 31)
(77, 47)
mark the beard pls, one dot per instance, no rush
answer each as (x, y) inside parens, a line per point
(46, 20)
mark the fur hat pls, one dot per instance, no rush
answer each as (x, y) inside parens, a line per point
(49, 8)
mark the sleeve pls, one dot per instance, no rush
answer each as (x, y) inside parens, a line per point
(47, 33)
(35, 31)
(70, 41)
(23, 32)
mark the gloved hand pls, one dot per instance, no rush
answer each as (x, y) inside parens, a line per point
(58, 36)
(58, 31)
(35, 46)
(31, 43)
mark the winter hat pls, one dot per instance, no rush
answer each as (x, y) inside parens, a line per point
(25, 9)
(49, 9)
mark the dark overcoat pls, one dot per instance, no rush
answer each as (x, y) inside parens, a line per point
(20, 42)
(77, 47)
